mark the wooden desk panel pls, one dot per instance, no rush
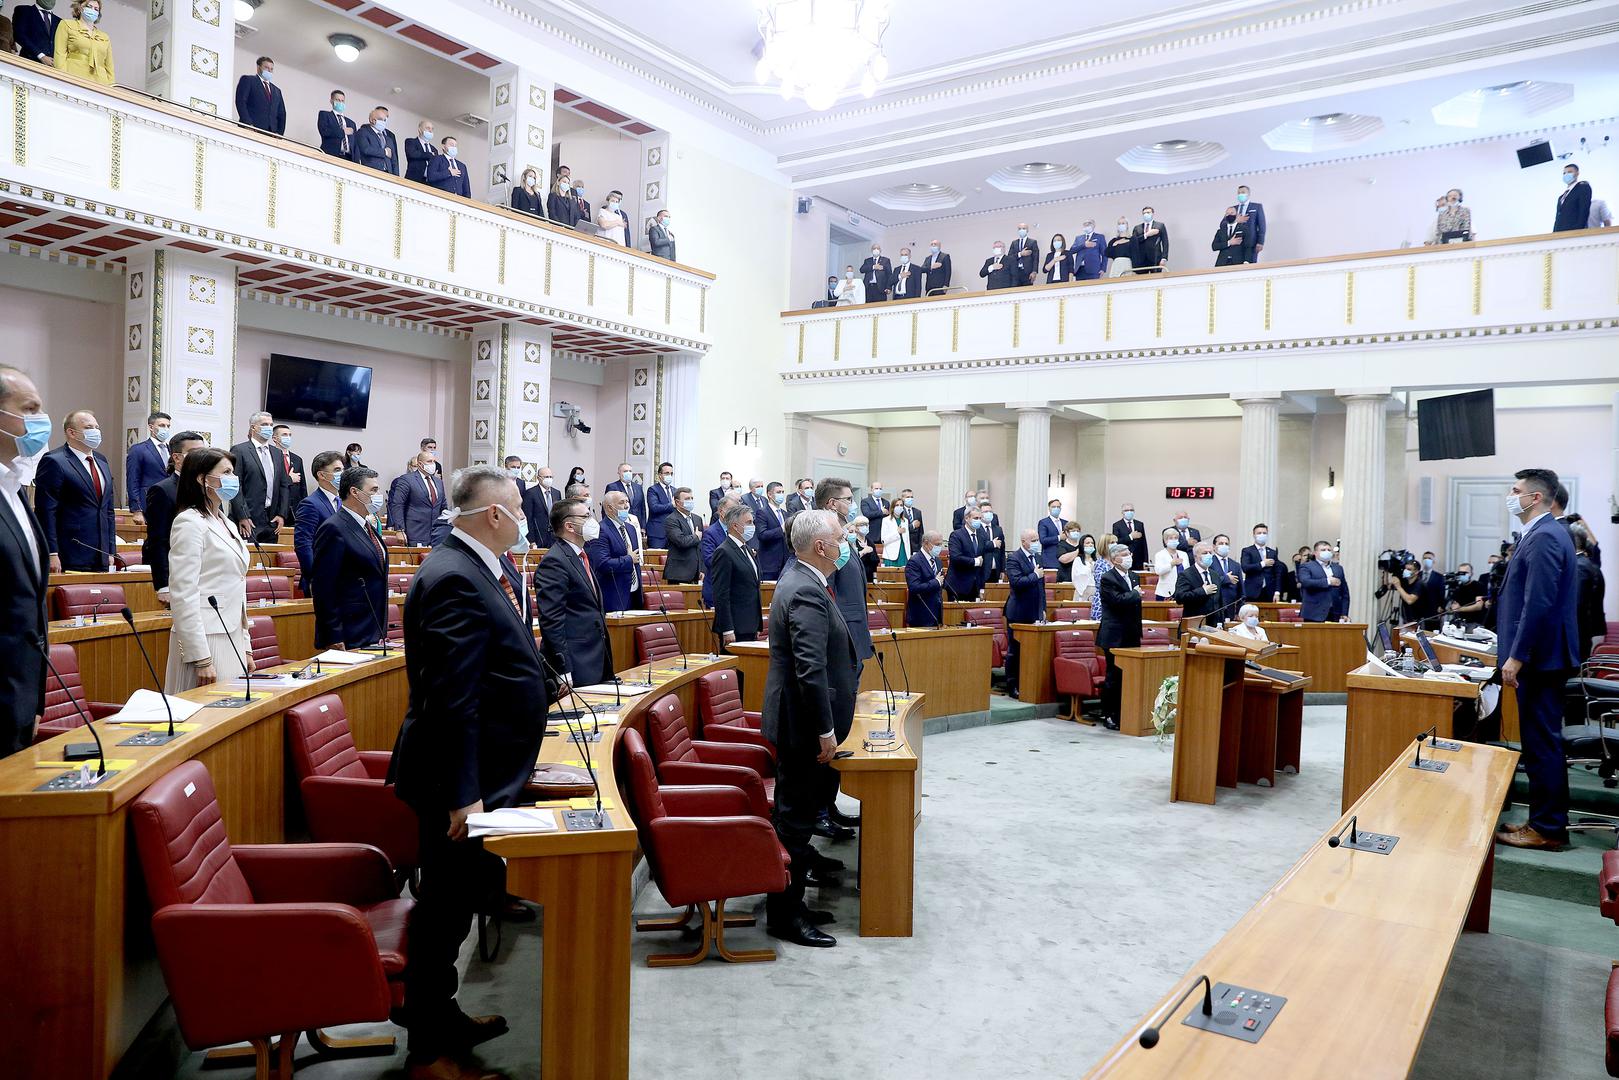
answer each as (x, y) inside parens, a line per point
(949, 667)
(1327, 651)
(691, 630)
(1142, 671)
(1451, 654)
(1386, 713)
(1208, 723)
(887, 783)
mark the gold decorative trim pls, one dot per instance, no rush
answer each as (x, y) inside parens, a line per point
(590, 281)
(1349, 298)
(801, 340)
(1158, 313)
(548, 268)
(631, 307)
(198, 154)
(1017, 324)
(337, 218)
(116, 180)
(1411, 291)
(19, 122)
(657, 416)
(1107, 318)
(1546, 281)
(505, 366)
(913, 336)
(453, 219)
(399, 227)
(702, 312)
(1062, 321)
(874, 337)
(270, 207)
(501, 275)
(955, 330)
(1478, 286)
(1267, 303)
(837, 342)
(154, 381)
(669, 302)
(1211, 310)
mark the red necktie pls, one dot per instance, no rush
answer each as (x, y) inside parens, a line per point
(584, 560)
(831, 593)
(506, 587)
(286, 461)
(376, 542)
(95, 476)
(432, 494)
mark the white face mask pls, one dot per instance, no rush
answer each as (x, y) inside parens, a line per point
(592, 529)
(1324, 556)
(546, 481)
(427, 136)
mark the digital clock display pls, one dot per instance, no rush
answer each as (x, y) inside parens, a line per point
(1188, 493)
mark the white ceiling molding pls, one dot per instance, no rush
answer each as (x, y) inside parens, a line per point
(1502, 104)
(1038, 178)
(919, 197)
(1328, 131)
(1173, 156)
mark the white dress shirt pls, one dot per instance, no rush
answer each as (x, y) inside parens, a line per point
(11, 485)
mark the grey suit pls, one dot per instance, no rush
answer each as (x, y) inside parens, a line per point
(683, 533)
(573, 627)
(661, 241)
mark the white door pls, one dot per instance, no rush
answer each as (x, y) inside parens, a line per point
(1478, 518)
(855, 474)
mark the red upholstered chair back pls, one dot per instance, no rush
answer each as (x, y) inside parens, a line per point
(260, 587)
(1072, 613)
(655, 641)
(1174, 613)
(60, 696)
(666, 730)
(185, 854)
(262, 640)
(1155, 635)
(646, 804)
(650, 577)
(1075, 644)
(1289, 614)
(983, 616)
(287, 560)
(71, 600)
(876, 619)
(399, 583)
(672, 600)
(719, 698)
(319, 740)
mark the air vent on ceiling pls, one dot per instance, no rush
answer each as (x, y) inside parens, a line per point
(472, 120)
(245, 30)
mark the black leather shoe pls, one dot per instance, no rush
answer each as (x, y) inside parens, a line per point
(469, 1031)
(823, 879)
(819, 918)
(827, 864)
(838, 817)
(801, 932)
(1112, 724)
(825, 826)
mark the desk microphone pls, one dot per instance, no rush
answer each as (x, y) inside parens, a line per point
(95, 612)
(264, 564)
(1149, 1037)
(247, 674)
(893, 635)
(116, 559)
(382, 627)
(663, 608)
(149, 738)
(80, 751)
(569, 816)
(1335, 839)
(889, 690)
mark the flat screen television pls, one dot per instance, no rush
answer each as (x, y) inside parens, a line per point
(304, 391)
(1456, 426)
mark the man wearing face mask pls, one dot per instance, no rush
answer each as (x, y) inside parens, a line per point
(1227, 573)
(1196, 591)
(1573, 202)
(375, 146)
(770, 539)
(1233, 242)
(34, 26)
(634, 492)
(1051, 529)
(874, 507)
(660, 500)
(1119, 626)
(736, 580)
(419, 152)
(573, 621)
(1121, 249)
(924, 583)
(1183, 527)
(349, 575)
(1131, 535)
(909, 518)
(73, 496)
(416, 500)
(615, 555)
(1024, 255)
(874, 275)
(445, 171)
(804, 498)
(160, 509)
(660, 237)
(147, 463)
(831, 298)
(1150, 244)
(25, 431)
(995, 551)
(1261, 568)
(998, 270)
(291, 464)
(969, 546)
(1088, 253)
(935, 270)
(1251, 216)
(537, 503)
(727, 482)
(1025, 599)
(338, 134)
(1322, 587)
(259, 103)
(313, 511)
(906, 281)
(710, 540)
(683, 534)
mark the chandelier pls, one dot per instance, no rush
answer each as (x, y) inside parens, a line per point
(818, 48)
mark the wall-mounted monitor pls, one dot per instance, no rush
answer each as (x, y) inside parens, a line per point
(299, 390)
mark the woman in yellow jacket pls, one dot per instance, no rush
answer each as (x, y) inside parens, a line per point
(81, 49)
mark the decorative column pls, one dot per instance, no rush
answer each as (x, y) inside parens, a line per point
(798, 455)
(511, 394)
(955, 449)
(180, 345)
(1091, 507)
(519, 131)
(1365, 443)
(654, 183)
(1258, 463)
(874, 468)
(640, 409)
(1032, 469)
(1007, 499)
(675, 437)
(191, 54)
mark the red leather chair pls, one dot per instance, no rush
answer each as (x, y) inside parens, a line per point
(704, 845)
(87, 600)
(286, 560)
(1155, 635)
(719, 709)
(983, 616)
(1289, 614)
(654, 642)
(345, 793)
(682, 760)
(671, 599)
(1073, 613)
(59, 714)
(651, 577)
(396, 622)
(876, 619)
(400, 583)
(268, 587)
(1174, 613)
(262, 642)
(1077, 668)
(270, 939)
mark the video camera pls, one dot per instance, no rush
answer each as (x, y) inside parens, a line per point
(1392, 561)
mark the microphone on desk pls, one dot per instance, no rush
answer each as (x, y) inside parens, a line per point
(116, 559)
(247, 674)
(1335, 839)
(95, 612)
(79, 751)
(579, 738)
(893, 635)
(663, 608)
(376, 616)
(269, 582)
(1149, 1037)
(129, 617)
(888, 732)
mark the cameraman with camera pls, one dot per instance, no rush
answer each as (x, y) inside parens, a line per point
(1420, 600)
(1466, 595)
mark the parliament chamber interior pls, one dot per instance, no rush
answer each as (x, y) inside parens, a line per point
(529, 549)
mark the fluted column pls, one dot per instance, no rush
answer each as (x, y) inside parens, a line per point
(1365, 443)
(1257, 474)
(798, 456)
(1033, 467)
(955, 448)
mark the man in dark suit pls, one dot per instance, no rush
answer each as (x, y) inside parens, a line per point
(338, 134)
(1233, 241)
(660, 499)
(909, 519)
(770, 532)
(73, 496)
(479, 695)
(1183, 528)
(1051, 530)
(924, 583)
(809, 703)
(716, 494)
(935, 270)
(997, 271)
(1149, 244)
(632, 489)
(349, 577)
(1537, 646)
(1323, 589)
(259, 102)
(837, 494)
(994, 543)
(313, 511)
(874, 274)
(35, 30)
(713, 536)
(260, 508)
(375, 146)
(1574, 203)
(419, 152)
(1130, 533)
(417, 501)
(146, 463)
(1119, 626)
(1196, 591)
(1261, 568)
(1089, 252)
(292, 465)
(1024, 254)
(1227, 574)
(804, 498)
(538, 502)
(446, 172)
(736, 580)
(24, 567)
(756, 500)
(660, 237)
(615, 555)
(1251, 216)
(160, 499)
(683, 533)
(965, 578)
(873, 507)
(572, 620)
(905, 283)
(1025, 599)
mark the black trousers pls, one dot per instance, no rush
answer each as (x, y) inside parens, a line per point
(459, 879)
(801, 795)
(1010, 660)
(1112, 686)
(1540, 729)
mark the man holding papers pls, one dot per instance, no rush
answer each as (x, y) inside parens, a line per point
(479, 696)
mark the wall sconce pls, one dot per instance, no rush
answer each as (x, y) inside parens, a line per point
(1330, 492)
(745, 437)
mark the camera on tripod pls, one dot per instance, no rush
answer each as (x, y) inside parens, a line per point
(1393, 561)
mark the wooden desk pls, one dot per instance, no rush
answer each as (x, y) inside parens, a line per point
(691, 629)
(1386, 713)
(137, 585)
(1272, 728)
(1327, 651)
(1208, 722)
(1449, 653)
(888, 785)
(1357, 942)
(1037, 648)
(76, 942)
(1142, 671)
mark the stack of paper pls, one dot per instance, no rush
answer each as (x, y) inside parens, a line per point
(513, 819)
(146, 707)
(338, 656)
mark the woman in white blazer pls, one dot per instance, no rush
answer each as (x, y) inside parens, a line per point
(207, 557)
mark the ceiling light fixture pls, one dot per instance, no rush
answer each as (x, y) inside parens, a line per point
(245, 9)
(347, 46)
(818, 48)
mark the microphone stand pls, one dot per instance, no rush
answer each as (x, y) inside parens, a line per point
(149, 738)
(116, 559)
(1149, 1037)
(95, 612)
(80, 751)
(580, 820)
(247, 675)
(893, 635)
(269, 582)
(887, 733)
(376, 616)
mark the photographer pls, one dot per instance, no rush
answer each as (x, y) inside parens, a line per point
(1419, 598)
(1467, 595)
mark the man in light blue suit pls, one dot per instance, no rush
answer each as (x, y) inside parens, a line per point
(1536, 645)
(660, 502)
(314, 509)
(147, 463)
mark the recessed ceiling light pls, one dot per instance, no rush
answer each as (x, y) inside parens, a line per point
(245, 9)
(1326, 131)
(918, 196)
(1171, 144)
(347, 46)
(1038, 177)
(1172, 156)
(1502, 103)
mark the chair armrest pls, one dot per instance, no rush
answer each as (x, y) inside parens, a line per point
(239, 971)
(348, 810)
(705, 800)
(755, 720)
(1608, 882)
(702, 772)
(376, 763)
(730, 753)
(1073, 676)
(714, 858)
(100, 710)
(735, 733)
(316, 873)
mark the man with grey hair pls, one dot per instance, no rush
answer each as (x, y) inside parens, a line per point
(1196, 590)
(260, 508)
(808, 710)
(736, 579)
(1120, 624)
(479, 696)
(25, 431)
(579, 491)
(615, 555)
(418, 498)
(924, 583)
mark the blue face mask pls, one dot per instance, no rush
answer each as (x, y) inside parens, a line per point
(780, 498)
(1463, 579)
(1242, 197)
(747, 533)
(1409, 574)
(265, 431)
(690, 505)
(229, 487)
(162, 435)
(843, 554)
(1427, 564)
(1183, 522)
(92, 437)
(1206, 559)
(1172, 543)
(1568, 178)
(1056, 511)
(1224, 550)
(337, 106)
(265, 75)
(623, 515)
(1129, 515)
(91, 15)
(910, 501)
(377, 501)
(36, 432)
(1261, 539)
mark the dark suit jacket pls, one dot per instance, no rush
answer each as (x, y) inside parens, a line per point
(1026, 597)
(814, 674)
(297, 490)
(660, 241)
(797, 504)
(1087, 262)
(714, 497)
(537, 504)
(994, 557)
(1225, 253)
(333, 130)
(683, 533)
(736, 592)
(1230, 591)
(22, 629)
(249, 502)
(68, 509)
(456, 181)
(1573, 205)
(1050, 530)
(1189, 592)
(659, 501)
(312, 512)
(636, 493)
(144, 465)
(873, 509)
(874, 275)
(770, 540)
(350, 583)
(572, 625)
(410, 508)
(1537, 612)
(905, 283)
(1255, 213)
(159, 519)
(479, 694)
(850, 583)
(35, 30)
(1149, 250)
(260, 104)
(998, 274)
(963, 579)
(1120, 624)
(711, 538)
(374, 151)
(1024, 254)
(417, 157)
(1320, 602)
(924, 593)
(524, 203)
(1137, 545)
(611, 558)
(562, 209)
(1260, 582)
